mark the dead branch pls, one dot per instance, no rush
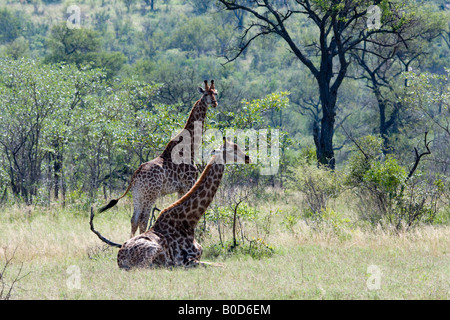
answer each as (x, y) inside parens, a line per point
(355, 142)
(6, 290)
(419, 156)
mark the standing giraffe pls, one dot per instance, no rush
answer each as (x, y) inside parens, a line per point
(162, 175)
(170, 241)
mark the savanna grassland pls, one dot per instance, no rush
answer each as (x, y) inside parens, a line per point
(60, 258)
(358, 115)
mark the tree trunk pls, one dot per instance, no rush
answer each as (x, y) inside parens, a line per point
(57, 164)
(386, 126)
(325, 152)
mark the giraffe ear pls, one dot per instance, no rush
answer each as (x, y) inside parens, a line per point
(201, 90)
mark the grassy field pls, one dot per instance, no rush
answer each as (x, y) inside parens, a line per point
(63, 259)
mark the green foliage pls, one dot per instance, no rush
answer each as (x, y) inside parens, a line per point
(251, 113)
(40, 113)
(129, 80)
(317, 185)
(193, 36)
(388, 176)
(10, 26)
(81, 46)
(367, 150)
(80, 126)
(290, 219)
(336, 222)
(255, 248)
(72, 45)
(386, 195)
(129, 4)
(428, 98)
(308, 155)
(19, 48)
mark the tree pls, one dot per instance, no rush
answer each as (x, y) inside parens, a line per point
(72, 45)
(128, 4)
(200, 6)
(383, 67)
(83, 48)
(10, 26)
(150, 3)
(194, 35)
(427, 99)
(342, 29)
(429, 94)
(40, 113)
(20, 47)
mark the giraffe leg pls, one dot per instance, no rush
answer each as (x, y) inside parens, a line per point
(147, 186)
(141, 213)
(137, 210)
(145, 215)
(192, 263)
(211, 264)
(143, 200)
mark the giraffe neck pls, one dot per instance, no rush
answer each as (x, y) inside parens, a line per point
(189, 209)
(193, 129)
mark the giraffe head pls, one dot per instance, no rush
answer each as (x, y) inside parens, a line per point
(230, 152)
(209, 93)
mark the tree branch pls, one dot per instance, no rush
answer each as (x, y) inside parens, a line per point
(419, 156)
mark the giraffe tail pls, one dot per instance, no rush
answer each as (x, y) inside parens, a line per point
(113, 202)
(91, 222)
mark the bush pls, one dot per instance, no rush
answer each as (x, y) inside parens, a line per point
(381, 188)
(337, 223)
(318, 185)
(255, 248)
(386, 195)
(418, 203)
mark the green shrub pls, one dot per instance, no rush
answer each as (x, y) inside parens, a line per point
(337, 222)
(385, 193)
(290, 219)
(387, 177)
(255, 248)
(318, 185)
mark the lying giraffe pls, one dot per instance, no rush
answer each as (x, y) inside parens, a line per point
(162, 176)
(170, 241)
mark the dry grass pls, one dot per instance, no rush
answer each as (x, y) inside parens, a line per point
(57, 248)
